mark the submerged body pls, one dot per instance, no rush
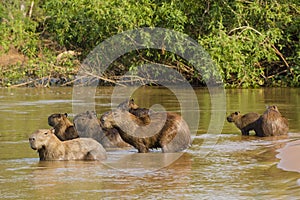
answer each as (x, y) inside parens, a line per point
(165, 130)
(245, 122)
(50, 147)
(271, 123)
(88, 126)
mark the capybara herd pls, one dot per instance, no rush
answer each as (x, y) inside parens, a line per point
(129, 126)
(270, 123)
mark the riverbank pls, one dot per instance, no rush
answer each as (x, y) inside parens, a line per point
(254, 47)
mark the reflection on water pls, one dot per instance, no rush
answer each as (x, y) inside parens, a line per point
(236, 167)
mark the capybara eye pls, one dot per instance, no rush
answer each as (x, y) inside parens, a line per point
(46, 133)
(102, 120)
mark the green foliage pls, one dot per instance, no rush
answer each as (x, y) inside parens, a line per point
(17, 30)
(254, 43)
(251, 42)
(85, 23)
(20, 30)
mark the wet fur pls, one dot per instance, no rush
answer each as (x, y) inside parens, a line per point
(50, 147)
(271, 123)
(245, 122)
(64, 129)
(87, 125)
(174, 135)
(141, 113)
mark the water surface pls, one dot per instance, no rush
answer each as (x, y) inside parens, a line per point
(236, 167)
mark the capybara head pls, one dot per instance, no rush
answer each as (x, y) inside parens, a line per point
(110, 119)
(272, 110)
(273, 107)
(106, 120)
(55, 119)
(40, 138)
(85, 120)
(127, 105)
(233, 116)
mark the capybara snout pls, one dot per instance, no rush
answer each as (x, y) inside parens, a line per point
(229, 119)
(233, 116)
(32, 143)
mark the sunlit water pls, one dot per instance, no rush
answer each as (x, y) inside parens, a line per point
(232, 167)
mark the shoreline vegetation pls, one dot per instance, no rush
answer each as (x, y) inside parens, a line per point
(253, 43)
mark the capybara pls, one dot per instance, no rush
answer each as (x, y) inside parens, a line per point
(50, 147)
(64, 129)
(167, 130)
(271, 123)
(87, 125)
(128, 104)
(142, 113)
(245, 122)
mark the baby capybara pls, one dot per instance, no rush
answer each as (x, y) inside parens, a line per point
(245, 122)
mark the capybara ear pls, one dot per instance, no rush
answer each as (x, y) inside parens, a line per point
(52, 130)
(66, 114)
(90, 114)
(131, 101)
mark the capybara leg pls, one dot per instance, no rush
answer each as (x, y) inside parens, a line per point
(142, 149)
(245, 132)
(89, 156)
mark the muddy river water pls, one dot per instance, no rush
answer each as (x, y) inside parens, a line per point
(234, 167)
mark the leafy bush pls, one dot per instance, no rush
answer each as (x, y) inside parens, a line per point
(248, 40)
(253, 43)
(17, 30)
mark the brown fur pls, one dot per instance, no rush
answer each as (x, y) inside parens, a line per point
(127, 105)
(141, 113)
(271, 123)
(245, 122)
(166, 130)
(64, 129)
(87, 125)
(50, 147)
